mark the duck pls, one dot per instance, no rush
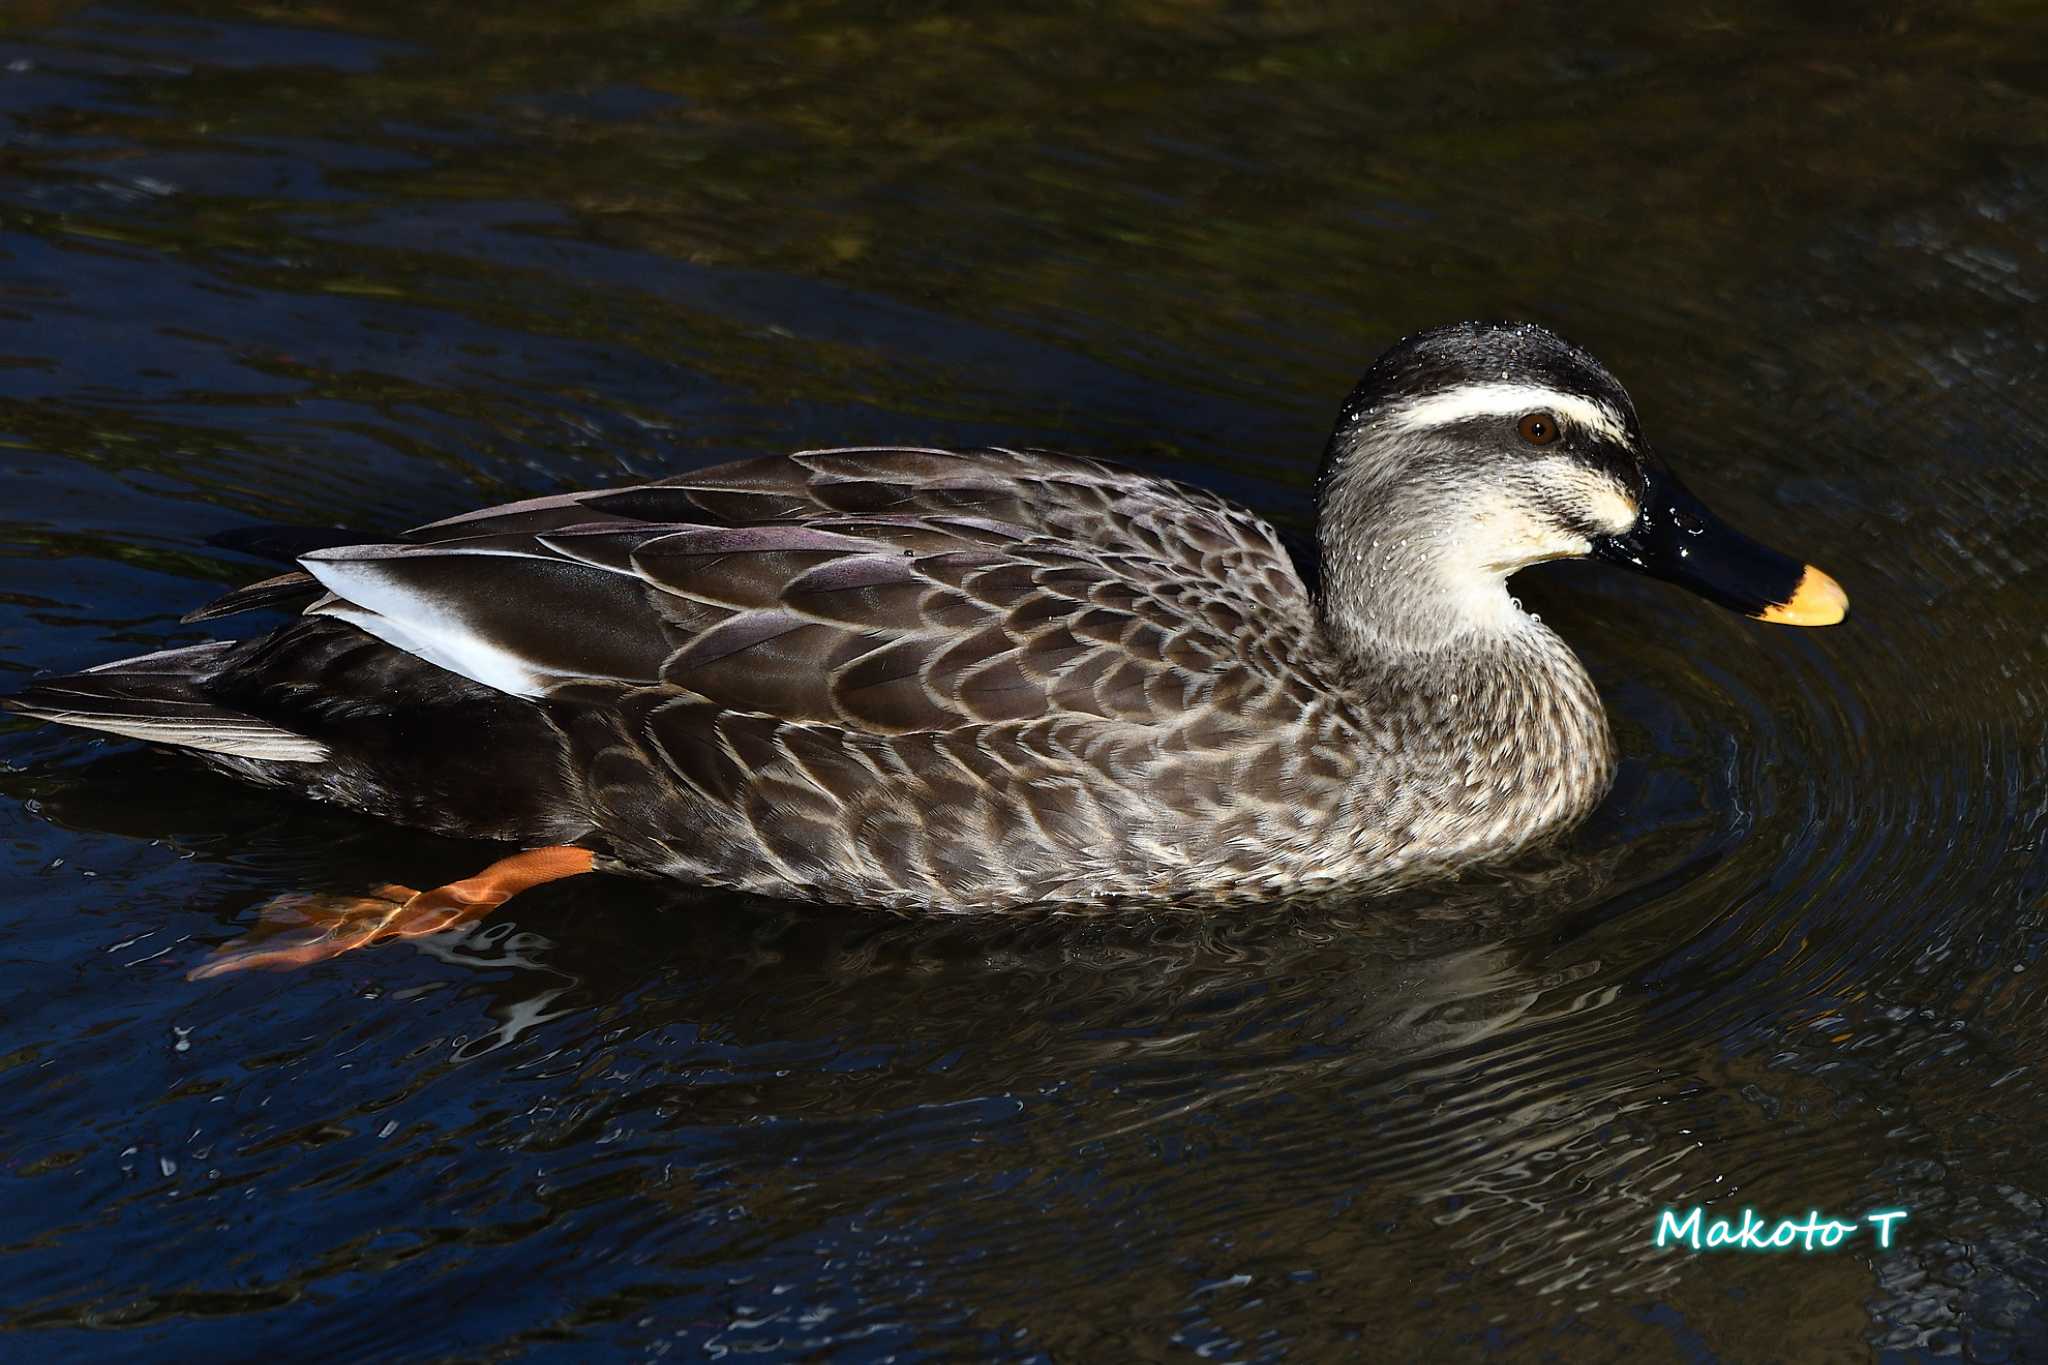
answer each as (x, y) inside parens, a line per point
(939, 681)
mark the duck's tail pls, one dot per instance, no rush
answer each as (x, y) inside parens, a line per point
(157, 697)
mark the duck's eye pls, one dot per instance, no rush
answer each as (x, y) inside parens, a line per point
(1538, 428)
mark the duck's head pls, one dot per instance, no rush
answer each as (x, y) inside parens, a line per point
(1472, 451)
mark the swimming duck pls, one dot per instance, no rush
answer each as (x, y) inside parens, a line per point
(941, 680)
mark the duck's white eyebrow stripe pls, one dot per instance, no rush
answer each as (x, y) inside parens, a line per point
(1504, 400)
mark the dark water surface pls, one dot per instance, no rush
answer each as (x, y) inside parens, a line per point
(373, 263)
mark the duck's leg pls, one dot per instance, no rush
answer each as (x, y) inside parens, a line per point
(295, 930)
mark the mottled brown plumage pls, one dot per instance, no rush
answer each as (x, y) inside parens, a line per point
(947, 680)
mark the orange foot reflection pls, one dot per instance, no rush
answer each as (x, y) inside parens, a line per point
(295, 930)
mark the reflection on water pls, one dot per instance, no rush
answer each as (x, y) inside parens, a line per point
(371, 264)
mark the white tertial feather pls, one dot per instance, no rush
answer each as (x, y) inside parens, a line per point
(405, 618)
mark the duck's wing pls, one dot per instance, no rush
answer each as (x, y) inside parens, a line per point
(882, 622)
(1182, 529)
(893, 589)
(906, 610)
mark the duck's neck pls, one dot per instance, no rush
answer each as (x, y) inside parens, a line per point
(1403, 575)
(1500, 719)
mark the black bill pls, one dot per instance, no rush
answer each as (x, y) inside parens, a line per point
(1678, 539)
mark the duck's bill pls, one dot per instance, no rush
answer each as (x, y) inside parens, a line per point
(1678, 539)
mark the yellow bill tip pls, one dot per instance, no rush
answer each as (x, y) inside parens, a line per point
(1817, 601)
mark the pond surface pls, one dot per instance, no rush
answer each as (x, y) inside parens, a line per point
(373, 263)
